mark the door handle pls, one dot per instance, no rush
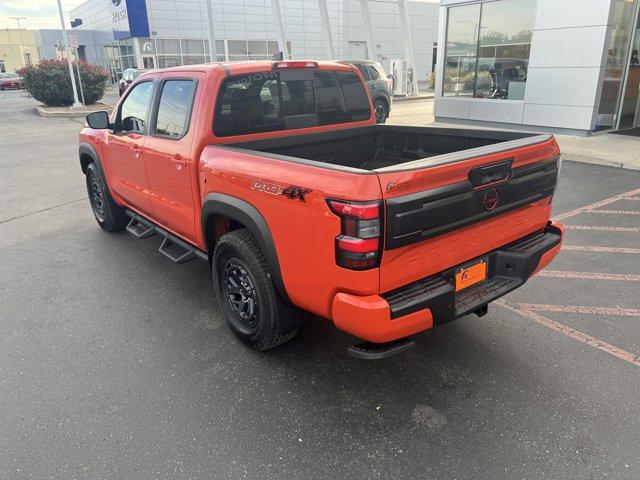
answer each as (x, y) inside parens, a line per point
(178, 161)
(137, 150)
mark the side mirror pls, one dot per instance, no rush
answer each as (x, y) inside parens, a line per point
(98, 120)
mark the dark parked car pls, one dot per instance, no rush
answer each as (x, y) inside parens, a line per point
(10, 80)
(128, 76)
(379, 84)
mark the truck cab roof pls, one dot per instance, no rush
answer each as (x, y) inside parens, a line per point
(239, 68)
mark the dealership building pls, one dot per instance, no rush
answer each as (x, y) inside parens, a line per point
(162, 33)
(567, 66)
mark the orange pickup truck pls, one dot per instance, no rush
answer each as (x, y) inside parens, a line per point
(276, 173)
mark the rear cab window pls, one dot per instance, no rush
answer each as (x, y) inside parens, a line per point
(284, 100)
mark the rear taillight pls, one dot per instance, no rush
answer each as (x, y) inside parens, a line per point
(359, 243)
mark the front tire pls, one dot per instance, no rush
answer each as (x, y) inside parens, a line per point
(382, 112)
(108, 214)
(246, 296)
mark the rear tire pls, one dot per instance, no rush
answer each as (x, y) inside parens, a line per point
(246, 296)
(382, 112)
(108, 214)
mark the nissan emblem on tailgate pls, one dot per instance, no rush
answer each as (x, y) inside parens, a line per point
(490, 199)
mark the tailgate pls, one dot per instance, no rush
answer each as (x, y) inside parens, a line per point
(445, 210)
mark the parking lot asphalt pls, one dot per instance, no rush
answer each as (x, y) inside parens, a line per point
(114, 363)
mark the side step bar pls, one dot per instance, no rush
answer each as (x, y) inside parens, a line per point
(378, 351)
(172, 247)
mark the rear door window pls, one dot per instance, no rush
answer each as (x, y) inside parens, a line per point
(174, 109)
(364, 71)
(356, 98)
(373, 73)
(270, 101)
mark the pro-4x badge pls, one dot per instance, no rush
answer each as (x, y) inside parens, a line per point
(293, 192)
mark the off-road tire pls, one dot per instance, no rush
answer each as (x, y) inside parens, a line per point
(108, 214)
(273, 322)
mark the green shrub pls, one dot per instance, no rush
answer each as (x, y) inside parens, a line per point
(49, 82)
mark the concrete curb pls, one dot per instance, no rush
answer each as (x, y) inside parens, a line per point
(47, 112)
(598, 161)
(413, 99)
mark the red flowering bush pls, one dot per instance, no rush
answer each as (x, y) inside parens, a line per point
(49, 82)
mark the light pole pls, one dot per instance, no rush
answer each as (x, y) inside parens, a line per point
(76, 102)
(213, 51)
(17, 19)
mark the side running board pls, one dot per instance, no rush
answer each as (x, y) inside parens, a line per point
(172, 247)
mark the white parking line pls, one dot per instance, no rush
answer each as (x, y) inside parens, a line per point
(591, 248)
(599, 228)
(601, 203)
(573, 333)
(540, 307)
(614, 212)
(589, 275)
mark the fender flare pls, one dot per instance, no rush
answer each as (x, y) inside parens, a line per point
(87, 149)
(245, 213)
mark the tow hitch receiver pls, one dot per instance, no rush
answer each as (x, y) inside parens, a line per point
(378, 351)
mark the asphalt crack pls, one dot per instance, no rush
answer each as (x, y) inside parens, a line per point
(40, 211)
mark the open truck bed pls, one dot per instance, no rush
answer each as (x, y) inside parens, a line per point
(384, 147)
(449, 195)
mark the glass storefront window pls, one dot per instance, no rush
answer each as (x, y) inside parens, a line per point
(487, 51)
(192, 47)
(168, 47)
(619, 40)
(193, 59)
(462, 50)
(257, 49)
(219, 47)
(166, 61)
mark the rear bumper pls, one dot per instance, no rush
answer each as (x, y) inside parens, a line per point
(420, 305)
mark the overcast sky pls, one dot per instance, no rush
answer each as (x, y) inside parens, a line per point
(39, 13)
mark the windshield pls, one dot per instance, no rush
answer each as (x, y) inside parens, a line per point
(9, 75)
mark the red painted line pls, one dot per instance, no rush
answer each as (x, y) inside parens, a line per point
(614, 212)
(632, 198)
(602, 229)
(589, 248)
(624, 312)
(589, 275)
(573, 333)
(599, 204)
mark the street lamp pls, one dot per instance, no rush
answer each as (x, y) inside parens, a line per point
(17, 19)
(76, 102)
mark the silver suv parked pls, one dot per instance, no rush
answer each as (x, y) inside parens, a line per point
(379, 84)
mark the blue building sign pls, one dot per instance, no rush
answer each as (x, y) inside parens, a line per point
(129, 19)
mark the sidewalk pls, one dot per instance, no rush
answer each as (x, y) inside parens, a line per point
(421, 96)
(604, 149)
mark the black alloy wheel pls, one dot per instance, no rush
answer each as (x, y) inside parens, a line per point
(241, 295)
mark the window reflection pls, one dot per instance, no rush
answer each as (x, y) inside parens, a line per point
(487, 52)
(174, 108)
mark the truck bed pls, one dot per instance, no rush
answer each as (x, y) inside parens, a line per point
(384, 146)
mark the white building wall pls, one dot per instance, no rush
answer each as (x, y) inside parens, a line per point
(388, 31)
(565, 67)
(565, 63)
(253, 20)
